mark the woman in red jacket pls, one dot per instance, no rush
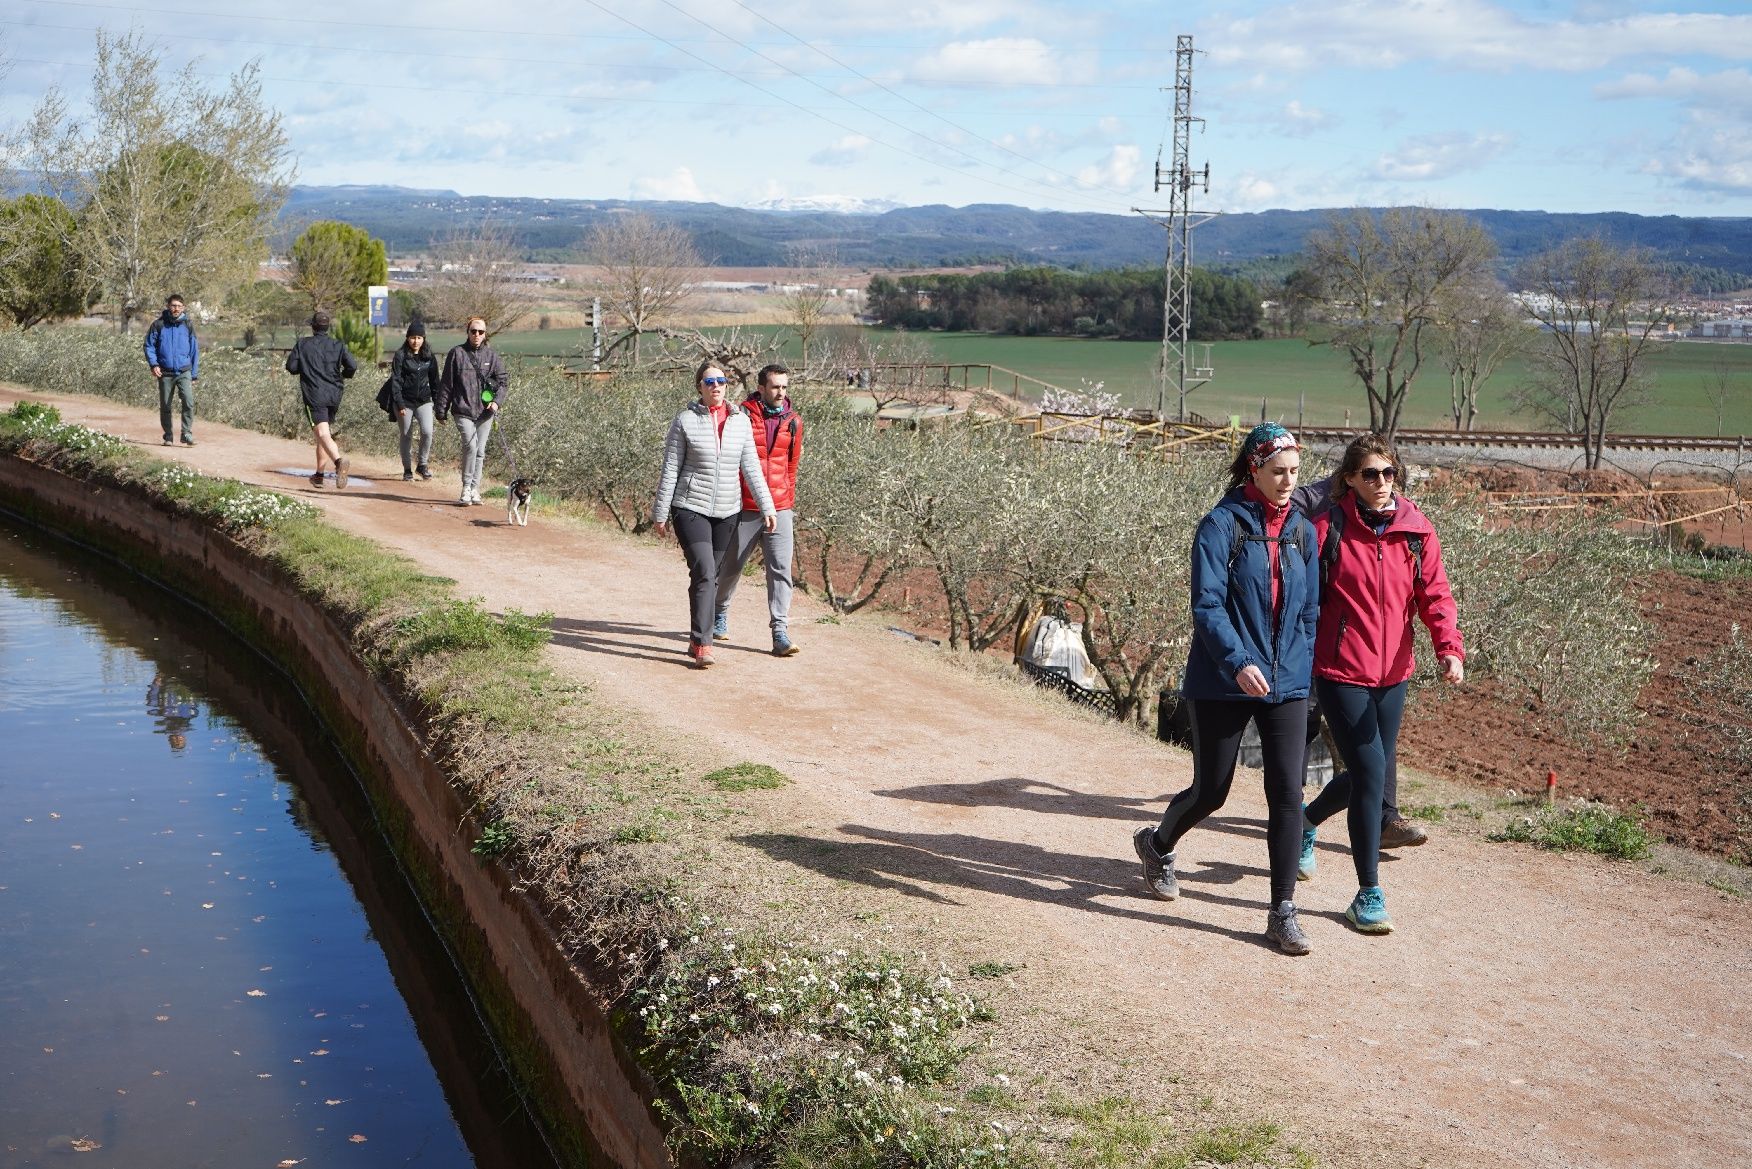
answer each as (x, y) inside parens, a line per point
(1384, 565)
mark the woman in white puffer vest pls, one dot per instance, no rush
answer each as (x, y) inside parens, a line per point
(707, 456)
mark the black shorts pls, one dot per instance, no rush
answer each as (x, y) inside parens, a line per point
(318, 414)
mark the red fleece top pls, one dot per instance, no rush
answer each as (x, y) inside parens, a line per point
(1275, 516)
(720, 415)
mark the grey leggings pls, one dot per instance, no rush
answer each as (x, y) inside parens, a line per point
(421, 414)
(475, 433)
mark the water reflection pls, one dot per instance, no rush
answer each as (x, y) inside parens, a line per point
(206, 955)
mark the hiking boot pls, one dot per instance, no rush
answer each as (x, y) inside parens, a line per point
(1368, 911)
(188, 442)
(1307, 862)
(1158, 867)
(169, 441)
(316, 479)
(407, 475)
(702, 656)
(1282, 927)
(783, 646)
(721, 627)
(423, 471)
(1402, 833)
(340, 472)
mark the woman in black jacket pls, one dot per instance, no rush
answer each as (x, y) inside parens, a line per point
(413, 380)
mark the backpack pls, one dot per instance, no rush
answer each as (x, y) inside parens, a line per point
(1239, 539)
(1329, 550)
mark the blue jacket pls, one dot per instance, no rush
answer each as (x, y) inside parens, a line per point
(1231, 605)
(171, 345)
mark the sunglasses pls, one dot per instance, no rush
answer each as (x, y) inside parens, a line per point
(714, 381)
(477, 332)
(1371, 474)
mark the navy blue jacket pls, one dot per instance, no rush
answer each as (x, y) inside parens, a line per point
(1231, 606)
(171, 345)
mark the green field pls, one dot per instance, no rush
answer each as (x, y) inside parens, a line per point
(1294, 378)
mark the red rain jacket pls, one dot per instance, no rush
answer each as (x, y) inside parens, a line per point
(1368, 598)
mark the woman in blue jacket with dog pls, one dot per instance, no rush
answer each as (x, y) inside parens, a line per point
(1255, 602)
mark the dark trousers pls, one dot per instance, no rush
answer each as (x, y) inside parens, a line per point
(1217, 726)
(706, 542)
(176, 385)
(1339, 785)
(1365, 725)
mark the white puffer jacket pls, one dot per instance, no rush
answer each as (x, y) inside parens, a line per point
(703, 471)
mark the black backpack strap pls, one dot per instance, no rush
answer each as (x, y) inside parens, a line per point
(1416, 544)
(1329, 547)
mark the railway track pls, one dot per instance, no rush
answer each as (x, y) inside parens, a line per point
(1530, 439)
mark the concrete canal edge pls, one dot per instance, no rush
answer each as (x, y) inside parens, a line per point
(588, 1092)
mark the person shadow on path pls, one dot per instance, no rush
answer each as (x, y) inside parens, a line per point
(619, 639)
(911, 862)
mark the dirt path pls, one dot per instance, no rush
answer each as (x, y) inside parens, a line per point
(1531, 1010)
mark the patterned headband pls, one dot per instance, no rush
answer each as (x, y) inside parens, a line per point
(1266, 440)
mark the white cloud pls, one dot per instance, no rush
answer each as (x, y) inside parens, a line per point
(1439, 156)
(1000, 61)
(1385, 34)
(1251, 192)
(1730, 89)
(1117, 170)
(843, 152)
(1301, 119)
(678, 186)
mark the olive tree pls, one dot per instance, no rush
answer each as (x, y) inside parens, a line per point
(1385, 274)
(173, 184)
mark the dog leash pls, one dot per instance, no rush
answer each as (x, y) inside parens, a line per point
(505, 447)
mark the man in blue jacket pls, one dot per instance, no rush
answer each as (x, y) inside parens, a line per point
(174, 354)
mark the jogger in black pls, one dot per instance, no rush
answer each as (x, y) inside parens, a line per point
(1217, 727)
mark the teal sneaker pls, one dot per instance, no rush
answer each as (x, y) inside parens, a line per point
(1306, 863)
(1368, 911)
(721, 626)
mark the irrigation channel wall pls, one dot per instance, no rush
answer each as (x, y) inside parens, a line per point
(591, 1097)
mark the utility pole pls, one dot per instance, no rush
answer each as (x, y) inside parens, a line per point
(1178, 366)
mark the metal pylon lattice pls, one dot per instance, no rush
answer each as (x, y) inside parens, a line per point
(1180, 369)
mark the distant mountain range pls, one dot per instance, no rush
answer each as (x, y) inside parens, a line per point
(861, 232)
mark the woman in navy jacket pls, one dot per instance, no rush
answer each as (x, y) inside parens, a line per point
(1255, 602)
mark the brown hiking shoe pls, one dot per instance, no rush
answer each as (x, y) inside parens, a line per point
(316, 479)
(1402, 833)
(340, 472)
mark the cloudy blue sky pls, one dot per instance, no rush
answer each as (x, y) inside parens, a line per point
(1622, 105)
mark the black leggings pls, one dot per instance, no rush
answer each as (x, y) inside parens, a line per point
(1217, 725)
(1365, 725)
(705, 542)
(1335, 796)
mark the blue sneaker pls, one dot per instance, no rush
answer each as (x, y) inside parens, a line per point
(721, 627)
(1306, 863)
(783, 646)
(1368, 911)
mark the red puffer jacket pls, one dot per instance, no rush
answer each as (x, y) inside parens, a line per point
(1368, 596)
(779, 456)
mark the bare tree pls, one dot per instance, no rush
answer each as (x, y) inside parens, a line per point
(1591, 363)
(1720, 383)
(650, 270)
(1481, 326)
(481, 272)
(1387, 272)
(174, 184)
(807, 295)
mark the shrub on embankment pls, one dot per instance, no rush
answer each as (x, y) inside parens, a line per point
(993, 522)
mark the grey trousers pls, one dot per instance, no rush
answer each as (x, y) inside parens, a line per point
(171, 386)
(775, 549)
(421, 414)
(474, 446)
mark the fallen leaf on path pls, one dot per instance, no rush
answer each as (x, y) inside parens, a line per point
(85, 1145)
(357, 1139)
(256, 994)
(289, 1162)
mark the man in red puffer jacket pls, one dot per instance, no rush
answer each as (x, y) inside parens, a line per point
(778, 440)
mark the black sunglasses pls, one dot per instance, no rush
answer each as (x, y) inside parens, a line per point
(1374, 473)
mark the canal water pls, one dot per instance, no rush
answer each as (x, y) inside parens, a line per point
(207, 956)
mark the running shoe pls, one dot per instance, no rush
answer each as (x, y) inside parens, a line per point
(721, 626)
(1307, 862)
(1282, 927)
(1368, 911)
(1158, 867)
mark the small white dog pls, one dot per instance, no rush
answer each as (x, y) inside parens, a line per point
(517, 502)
